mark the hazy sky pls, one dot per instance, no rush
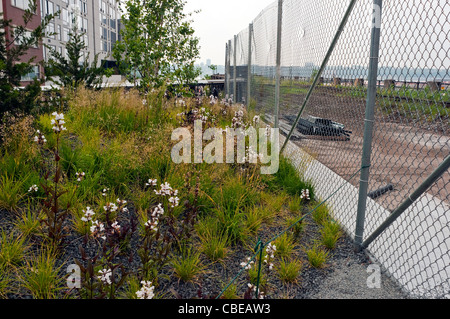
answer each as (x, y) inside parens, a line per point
(219, 21)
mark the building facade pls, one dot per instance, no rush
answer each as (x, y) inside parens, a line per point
(13, 10)
(97, 19)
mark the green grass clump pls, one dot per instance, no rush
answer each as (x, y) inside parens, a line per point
(213, 243)
(285, 245)
(289, 270)
(288, 179)
(41, 276)
(317, 256)
(321, 214)
(330, 233)
(189, 267)
(296, 224)
(13, 250)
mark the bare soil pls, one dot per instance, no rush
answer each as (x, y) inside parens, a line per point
(405, 149)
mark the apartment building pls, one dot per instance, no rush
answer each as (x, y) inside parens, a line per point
(97, 19)
(13, 10)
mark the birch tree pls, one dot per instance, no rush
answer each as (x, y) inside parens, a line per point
(158, 45)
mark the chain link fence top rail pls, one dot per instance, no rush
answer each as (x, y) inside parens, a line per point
(411, 135)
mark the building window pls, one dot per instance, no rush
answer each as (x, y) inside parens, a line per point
(113, 19)
(48, 7)
(66, 34)
(50, 30)
(34, 74)
(65, 15)
(22, 4)
(85, 25)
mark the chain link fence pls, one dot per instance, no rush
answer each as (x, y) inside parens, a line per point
(362, 85)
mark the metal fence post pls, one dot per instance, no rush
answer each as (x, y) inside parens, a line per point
(369, 123)
(249, 71)
(229, 69)
(278, 64)
(227, 72)
(234, 69)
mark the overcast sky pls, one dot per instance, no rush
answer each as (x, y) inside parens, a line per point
(219, 21)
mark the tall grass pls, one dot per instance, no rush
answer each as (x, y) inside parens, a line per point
(288, 179)
(40, 276)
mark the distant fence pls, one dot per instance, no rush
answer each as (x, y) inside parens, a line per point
(362, 84)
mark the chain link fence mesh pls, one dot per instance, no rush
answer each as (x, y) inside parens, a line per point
(411, 136)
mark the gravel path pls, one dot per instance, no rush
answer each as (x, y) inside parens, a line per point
(349, 281)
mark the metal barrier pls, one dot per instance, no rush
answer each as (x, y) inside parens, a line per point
(362, 84)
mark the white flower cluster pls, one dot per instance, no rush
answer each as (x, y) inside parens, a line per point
(155, 216)
(33, 188)
(151, 182)
(227, 101)
(146, 292)
(213, 100)
(105, 190)
(58, 122)
(253, 288)
(247, 264)
(98, 229)
(105, 276)
(122, 204)
(270, 251)
(40, 138)
(256, 120)
(203, 115)
(116, 226)
(238, 119)
(305, 194)
(80, 176)
(110, 208)
(166, 190)
(88, 214)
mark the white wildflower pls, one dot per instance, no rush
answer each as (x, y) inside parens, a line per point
(247, 264)
(105, 276)
(151, 182)
(270, 251)
(97, 228)
(174, 201)
(40, 138)
(158, 211)
(33, 188)
(152, 224)
(146, 292)
(111, 207)
(80, 176)
(305, 194)
(116, 226)
(88, 214)
(58, 122)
